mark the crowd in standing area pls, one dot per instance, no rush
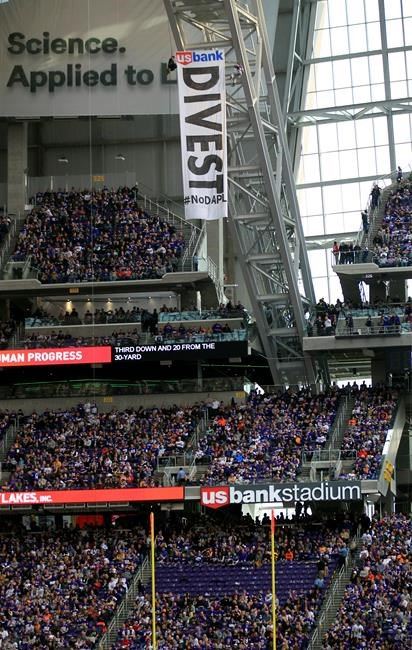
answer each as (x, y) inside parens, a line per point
(59, 589)
(392, 317)
(376, 610)
(102, 235)
(82, 448)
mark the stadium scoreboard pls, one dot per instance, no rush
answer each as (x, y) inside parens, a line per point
(130, 353)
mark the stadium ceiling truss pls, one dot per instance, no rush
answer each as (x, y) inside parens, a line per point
(264, 216)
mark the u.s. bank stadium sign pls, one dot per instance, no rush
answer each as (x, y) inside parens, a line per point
(285, 493)
(68, 57)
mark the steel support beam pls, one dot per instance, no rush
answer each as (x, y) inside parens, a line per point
(264, 215)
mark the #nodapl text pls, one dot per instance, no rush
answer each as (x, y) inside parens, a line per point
(216, 497)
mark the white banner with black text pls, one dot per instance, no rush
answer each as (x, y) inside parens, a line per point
(202, 104)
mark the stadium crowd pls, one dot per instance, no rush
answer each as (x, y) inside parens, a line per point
(393, 240)
(59, 588)
(237, 618)
(241, 620)
(95, 236)
(367, 429)
(376, 610)
(207, 541)
(81, 448)
(248, 442)
(264, 438)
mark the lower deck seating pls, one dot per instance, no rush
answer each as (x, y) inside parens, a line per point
(58, 589)
(220, 580)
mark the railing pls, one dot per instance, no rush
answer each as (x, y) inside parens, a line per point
(6, 442)
(129, 339)
(369, 310)
(340, 422)
(182, 460)
(87, 388)
(164, 317)
(379, 330)
(365, 256)
(5, 244)
(327, 455)
(106, 641)
(187, 459)
(213, 273)
(333, 597)
(192, 248)
(372, 211)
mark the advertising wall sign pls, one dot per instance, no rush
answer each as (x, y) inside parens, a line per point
(219, 496)
(119, 495)
(144, 353)
(71, 58)
(55, 356)
(202, 108)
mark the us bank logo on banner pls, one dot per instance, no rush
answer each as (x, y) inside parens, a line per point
(202, 104)
(216, 497)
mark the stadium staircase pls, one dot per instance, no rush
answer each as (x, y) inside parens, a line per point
(377, 216)
(327, 460)
(5, 444)
(168, 466)
(126, 606)
(333, 597)
(7, 248)
(192, 235)
(349, 284)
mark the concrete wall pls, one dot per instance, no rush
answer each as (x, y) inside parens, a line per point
(149, 143)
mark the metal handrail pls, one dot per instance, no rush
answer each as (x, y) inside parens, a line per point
(380, 330)
(164, 209)
(187, 459)
(333, 596)
(98, 388)
(339, 424)
(105, 642)
(214, 275)
(128, 338)
(11, 233)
